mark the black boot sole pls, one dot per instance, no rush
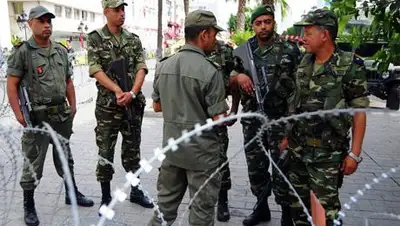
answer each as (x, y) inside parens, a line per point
(68, 202)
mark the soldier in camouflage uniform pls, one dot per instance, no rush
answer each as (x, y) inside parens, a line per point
(104, 46)
(42, 67)
(223, 56)
(328, 78)
(279, 59)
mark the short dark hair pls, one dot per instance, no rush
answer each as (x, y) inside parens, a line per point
(332, 31)
(192, 32)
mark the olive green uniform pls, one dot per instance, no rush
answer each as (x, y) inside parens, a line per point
(47, 91)
(190, 78)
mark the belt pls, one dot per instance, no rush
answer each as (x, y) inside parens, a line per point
(314, 142)
(52, 109)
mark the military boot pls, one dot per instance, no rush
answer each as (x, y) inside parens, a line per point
(81, 200)
(261, 213)
(105, 194)
(286, 219)
(138, 197)
(222, 209)
(30, 215)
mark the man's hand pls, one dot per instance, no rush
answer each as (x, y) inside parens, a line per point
(21, 120)
(284, 144)
(349, 166)
(245, 83)
(73, 111)
(233, 121)
(124, 98)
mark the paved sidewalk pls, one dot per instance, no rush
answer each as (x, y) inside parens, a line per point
(380, 154)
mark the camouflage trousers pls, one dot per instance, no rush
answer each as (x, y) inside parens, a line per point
(323, 178)
(110, 121)
(279, 186)
(35, 145)
(226, 182)
(172, 184)
(256, 158)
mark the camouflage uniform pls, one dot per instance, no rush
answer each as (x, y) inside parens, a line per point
(281, 81)
(223, 56)
(112, 118)
(319, 144)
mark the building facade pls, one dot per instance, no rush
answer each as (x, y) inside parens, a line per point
(75, 18)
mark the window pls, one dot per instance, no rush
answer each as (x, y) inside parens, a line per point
(68, 12)
(77, 16)
(84, 15)
(92, 17)
(58, 10)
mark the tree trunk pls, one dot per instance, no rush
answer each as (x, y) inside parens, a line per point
(159, 32)
(270, 2)
(186, 6)
(240, 15)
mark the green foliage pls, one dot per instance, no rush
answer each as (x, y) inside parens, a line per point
(385, 26)
(242, 37)
(233, 18)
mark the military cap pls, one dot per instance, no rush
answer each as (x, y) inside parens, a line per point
(321, 17)
(262, 10)
(202, 18)
(39, 11)
(113, 3)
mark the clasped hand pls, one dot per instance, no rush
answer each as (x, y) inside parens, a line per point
(123, 98)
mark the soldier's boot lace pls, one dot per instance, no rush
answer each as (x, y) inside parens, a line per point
(223, 214)
(137, 196)
(286, 219)
(81, 200)
(30, 215)
(260, 214)
(105, 194)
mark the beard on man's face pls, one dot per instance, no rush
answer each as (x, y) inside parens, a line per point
(265, 35)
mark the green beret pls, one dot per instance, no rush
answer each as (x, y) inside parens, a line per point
(262, 10)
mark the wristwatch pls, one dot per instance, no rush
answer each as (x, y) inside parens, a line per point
(355, 157)
(133, 94)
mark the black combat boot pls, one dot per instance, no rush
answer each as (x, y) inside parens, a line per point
(105, 194)
(138, 197)
(261, 213)
(30, 216)
(222, 209)
(286, 219)
(81, 200)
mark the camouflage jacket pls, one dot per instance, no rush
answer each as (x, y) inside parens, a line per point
(223, 56)
(280, 60)
(103, 48)
(339, 83)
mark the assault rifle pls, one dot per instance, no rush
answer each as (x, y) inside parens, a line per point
(245, 54)
(119, 68)
(25, 105)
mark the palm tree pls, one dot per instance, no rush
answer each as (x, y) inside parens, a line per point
(242, 8)
(159, 31)
(186, 6)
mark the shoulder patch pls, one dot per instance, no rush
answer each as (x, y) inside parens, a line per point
(18, 44)
(217, 66)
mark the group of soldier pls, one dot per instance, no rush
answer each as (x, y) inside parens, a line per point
(190, 87)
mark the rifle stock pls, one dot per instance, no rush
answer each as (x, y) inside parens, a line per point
(244, 53)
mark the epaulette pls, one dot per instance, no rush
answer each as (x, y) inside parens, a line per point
(164, 58)
(135, 35)
(18, 44)
(216, 65)
(63, 45)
